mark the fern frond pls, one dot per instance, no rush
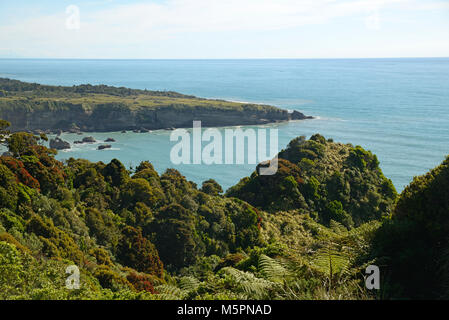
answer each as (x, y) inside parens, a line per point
(272, 269)
(249, 284)
(331, 262)
(174, 293)
(189, 284)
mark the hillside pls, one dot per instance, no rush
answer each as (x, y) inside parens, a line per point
(144, 235)
(413, 247)
(30, 106)
(307, 232)
(331, 181)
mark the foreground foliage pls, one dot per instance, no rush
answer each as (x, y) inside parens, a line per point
(307, 232)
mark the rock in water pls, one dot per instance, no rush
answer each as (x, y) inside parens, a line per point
(296, 115)
(89, 140)
(105, 146)
(109, 140)
(59, 144)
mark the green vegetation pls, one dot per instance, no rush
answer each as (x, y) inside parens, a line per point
(307, 232)
(331, 181)
(413, 246)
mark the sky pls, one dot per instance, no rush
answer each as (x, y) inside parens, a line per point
(223, 29)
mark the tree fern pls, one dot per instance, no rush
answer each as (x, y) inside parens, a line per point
(249, 284)
(170, 292)
(331, 262)
(189, 284)
(272, 269)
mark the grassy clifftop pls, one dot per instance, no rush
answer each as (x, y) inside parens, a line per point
(90, 96)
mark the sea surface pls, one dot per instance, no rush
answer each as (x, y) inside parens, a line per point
(397, 108)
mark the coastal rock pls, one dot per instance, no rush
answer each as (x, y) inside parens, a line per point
(105, 146)
(89, 140)
(74, 128)
(296, 115)
(109, 140)
(59, 144)
(73, 131)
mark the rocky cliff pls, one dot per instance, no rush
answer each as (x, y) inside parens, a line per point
(65, 108)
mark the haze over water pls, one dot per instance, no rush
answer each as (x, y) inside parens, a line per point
(397, 108)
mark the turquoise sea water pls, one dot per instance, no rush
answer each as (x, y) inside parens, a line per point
(397, 108)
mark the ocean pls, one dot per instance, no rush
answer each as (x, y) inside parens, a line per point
(397, 108)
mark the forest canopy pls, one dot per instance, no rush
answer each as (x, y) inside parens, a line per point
(307, 232)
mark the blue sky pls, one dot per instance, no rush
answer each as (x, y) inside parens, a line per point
(198, 29)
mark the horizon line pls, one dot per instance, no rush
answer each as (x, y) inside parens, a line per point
(193, 59)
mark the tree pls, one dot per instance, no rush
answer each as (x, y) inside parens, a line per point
(138, 252)
(211, 187)
(115, 173)
(414, 242)
(138, 190)
(20, 142)
(334, 211)
(11, 269)
(3, 130)
(8, 188)
(175, 236)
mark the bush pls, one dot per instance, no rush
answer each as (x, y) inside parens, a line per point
(139, 253)
(414, 243)
(211, 187)
(175, 236)
(11, 269)
(8, 188)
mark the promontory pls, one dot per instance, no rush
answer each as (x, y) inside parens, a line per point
(31, 106)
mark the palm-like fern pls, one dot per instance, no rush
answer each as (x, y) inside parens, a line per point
(331, 262)
(189, 284)
(249, 284)
(272, 269)
(170, 292)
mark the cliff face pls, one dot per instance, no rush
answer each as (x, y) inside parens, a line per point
(101, 108)
(111, 119)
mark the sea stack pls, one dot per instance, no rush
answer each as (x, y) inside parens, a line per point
(59, 144)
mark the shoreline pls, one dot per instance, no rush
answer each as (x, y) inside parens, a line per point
(145, 130)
